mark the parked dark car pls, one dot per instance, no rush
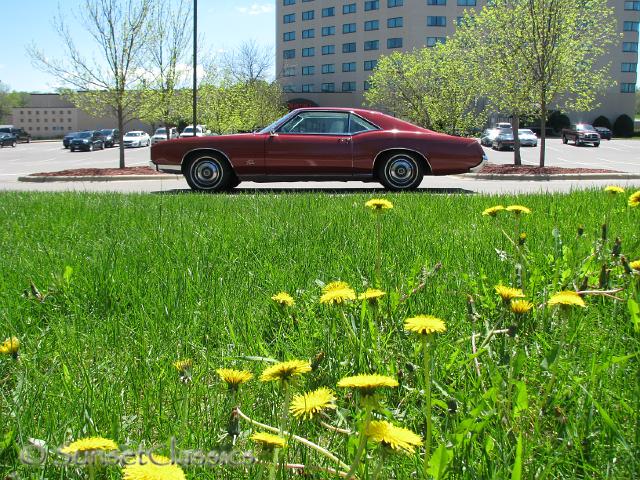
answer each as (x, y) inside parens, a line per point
(311, 144)
(111, 136)
(504, 140)
(89, 140)
(8, 140)
(19, 133)
(604, 132)
(580, 134)
(66, 141)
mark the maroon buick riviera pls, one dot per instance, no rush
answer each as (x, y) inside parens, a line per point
(312, 144)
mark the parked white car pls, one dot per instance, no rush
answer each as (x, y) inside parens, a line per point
(527, 137)
(136, 138)
(201, 131)
(161, 134)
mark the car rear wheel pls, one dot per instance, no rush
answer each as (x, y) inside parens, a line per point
(91, 147)
(209, 173)
(72, 149)
(400, 171)
(596, 144)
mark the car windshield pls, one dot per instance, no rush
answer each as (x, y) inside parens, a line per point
(161, 131)
(84, 135)
(585, 127)
(133, 134)
(106, 132)
(271, 127)
(525, 132)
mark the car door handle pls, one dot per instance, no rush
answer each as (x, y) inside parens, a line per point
(345, 140)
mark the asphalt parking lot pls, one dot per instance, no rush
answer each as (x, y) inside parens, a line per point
(620, 155)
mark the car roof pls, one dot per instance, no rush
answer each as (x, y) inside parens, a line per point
(381, 120)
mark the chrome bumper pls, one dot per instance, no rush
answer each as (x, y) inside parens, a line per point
(177, 169)
(478, 167)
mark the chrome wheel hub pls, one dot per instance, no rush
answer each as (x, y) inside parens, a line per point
(206, 173)
(402, 171)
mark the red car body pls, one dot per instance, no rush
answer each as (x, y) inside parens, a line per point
(311, 144)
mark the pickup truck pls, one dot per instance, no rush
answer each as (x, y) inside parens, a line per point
(580, 134)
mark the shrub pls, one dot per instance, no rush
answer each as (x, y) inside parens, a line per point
(602, 121)
(623, 126)
(557, 121)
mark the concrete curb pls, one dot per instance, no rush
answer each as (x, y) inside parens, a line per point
(561, 176)
(97, 178)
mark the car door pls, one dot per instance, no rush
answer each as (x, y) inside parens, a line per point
(311, 143)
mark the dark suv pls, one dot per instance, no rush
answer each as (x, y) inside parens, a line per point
(111, 136)
(19, 133)
(89, 140)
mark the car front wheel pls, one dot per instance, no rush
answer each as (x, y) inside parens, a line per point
(13, 144)
(209, 173)
(400, 171)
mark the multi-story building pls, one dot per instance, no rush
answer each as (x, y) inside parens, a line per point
(327, 49)
(48, 115)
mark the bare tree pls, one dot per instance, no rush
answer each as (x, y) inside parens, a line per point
(107, 84)
(250, 62)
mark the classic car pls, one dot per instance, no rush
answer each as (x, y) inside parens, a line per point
(8, 139)
(312, 144)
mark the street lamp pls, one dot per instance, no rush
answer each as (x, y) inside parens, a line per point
(195, 64)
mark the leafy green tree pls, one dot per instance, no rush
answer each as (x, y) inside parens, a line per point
(10, 100)
(433, 87)
(109, 84)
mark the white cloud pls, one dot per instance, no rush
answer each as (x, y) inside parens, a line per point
(256, 9)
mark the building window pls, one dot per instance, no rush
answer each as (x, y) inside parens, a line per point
(371, 5)
(288, 2)
(348, 47)
(308, 15)
(370, 65)
(436, 21)
(309, 33)
(328, 87)
(394, 42)
(289, 18)
(329, 68)
(328, 49)
(367, 85)
(349, 8)
(348, 86)
(395, 22)
(348, 28)
(309, 70)
(431, 41)
(371, 25)
(329, 12)
(289, 88)
(629, 67)
(289, 72)
(436, 2)
(631, 26)
(288, 36)
(394, 3)
(308, 52)
(627, 88)
(307, 88)
(372, 45)
(349, 67)
(287, 54)
(328, 31)
(467, 3)
(629, 46)
(632, 5)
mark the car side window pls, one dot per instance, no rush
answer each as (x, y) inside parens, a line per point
(317, 123)
(358, 125)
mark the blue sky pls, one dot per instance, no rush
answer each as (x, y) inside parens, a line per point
(225, 25)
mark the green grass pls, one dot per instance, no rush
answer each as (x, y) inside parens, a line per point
(133, 283)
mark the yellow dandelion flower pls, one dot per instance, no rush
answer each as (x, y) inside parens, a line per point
(90, 444)
(492, 211)
(520, 307)
(568, 298)
(234, 378)
(508, 293)
(517, 209)
(396, 438)
(337, 285)
(424, 325)
(284, 299)
(283, 371)
(341, 295)
(268, 440)
(635, 264)
(307, 405)
(372, 294)
(154, 467)
(379, 204)
(634, 199)
(368, 384)
(613, 189)
(10, 346)
(183, 366)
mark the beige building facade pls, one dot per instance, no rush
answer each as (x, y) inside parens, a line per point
(48, 115)
(327, 49)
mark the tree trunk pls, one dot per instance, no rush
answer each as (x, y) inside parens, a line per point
(515, 125)
(543, 131)
(120, 114)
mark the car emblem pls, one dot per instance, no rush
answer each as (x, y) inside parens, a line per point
(251, 162)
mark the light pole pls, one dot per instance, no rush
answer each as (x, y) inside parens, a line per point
(195, 64)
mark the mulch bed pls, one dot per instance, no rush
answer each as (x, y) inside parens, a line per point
(98, 172)
(495, 169)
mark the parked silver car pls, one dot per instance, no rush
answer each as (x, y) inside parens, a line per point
(527, 137)
(488, 136)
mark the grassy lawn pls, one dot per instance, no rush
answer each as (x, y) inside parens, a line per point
(106, 292)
